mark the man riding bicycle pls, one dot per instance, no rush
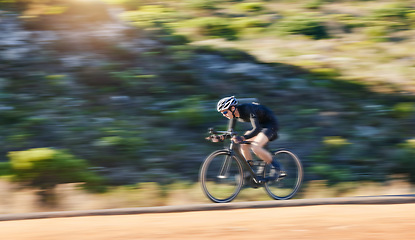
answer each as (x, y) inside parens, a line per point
(264, 129)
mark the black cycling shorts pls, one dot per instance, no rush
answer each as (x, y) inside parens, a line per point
(271, 133)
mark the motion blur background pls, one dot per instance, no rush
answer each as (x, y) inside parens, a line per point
(106, 104)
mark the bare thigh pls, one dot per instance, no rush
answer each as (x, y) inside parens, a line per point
(259, 140)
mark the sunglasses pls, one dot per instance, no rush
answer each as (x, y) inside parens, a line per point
(225, 112)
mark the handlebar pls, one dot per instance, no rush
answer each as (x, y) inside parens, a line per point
(229, 133)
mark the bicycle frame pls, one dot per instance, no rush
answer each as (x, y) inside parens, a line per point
(234, 150)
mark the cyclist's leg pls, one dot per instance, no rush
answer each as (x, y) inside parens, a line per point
(257, 146)
(246, 152)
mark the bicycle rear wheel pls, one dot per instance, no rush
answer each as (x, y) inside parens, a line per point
(286, 187)
(221, 177)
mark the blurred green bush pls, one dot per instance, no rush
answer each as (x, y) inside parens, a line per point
(249, 6)
(403, 110)
(304, 25)
(188, 112)
(331, 173)
(404, 158)
(202, 4)
(377, 33)
(392, 12)
(44, 168)
(315, 4)
(242, 23)
(335, 142)
(212, 27)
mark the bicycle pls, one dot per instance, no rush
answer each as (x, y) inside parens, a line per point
(222, 174)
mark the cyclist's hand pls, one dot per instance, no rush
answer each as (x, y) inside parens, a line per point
(238, 139)
(216, 138)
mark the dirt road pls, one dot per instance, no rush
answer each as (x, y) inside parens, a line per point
(393, 221)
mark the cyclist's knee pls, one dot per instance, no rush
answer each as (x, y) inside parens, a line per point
(256, 146)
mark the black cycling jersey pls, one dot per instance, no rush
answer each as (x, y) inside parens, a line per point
(261, 119)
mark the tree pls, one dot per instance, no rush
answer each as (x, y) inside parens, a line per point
(45, 168)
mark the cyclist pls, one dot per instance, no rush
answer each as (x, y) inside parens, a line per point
(264, 129)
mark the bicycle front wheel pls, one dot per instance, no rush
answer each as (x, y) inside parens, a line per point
(285, 187)
(221, 177)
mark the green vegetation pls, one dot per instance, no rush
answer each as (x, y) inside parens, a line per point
(249, 6)
(335, 142)
(211, 27)
(202, 4)
(45, 168)
(403, 156)
(309, 26)
(150, 16)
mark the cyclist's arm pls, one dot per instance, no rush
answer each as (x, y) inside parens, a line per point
(256, 127)
(231, 124)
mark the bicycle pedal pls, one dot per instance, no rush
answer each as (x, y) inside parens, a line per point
(282, 175)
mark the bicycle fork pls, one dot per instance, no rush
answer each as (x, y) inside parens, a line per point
(224, 170)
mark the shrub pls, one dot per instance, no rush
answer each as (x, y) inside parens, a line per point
(5, 168)
(250, 6)
(127, 144)
(314, 4)
(404, 159)
(335, 142)
(213, 26)
(325, 73)
(349, 21)
(304, 25)
(46, 167)
(174, 39)
(391, 12)
(409, 144)
(191, 116)
(246, 22)
(330, 173)
(394, 17)
(403, 109)
(188, 111)
(202, 4)
(411, 18)
(377, 33)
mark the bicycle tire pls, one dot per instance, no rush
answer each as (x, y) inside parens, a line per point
(287, 187)
(221, 176)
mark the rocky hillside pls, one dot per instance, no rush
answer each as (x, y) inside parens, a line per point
(136, 102)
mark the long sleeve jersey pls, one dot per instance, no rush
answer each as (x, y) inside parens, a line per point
(258, 115)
